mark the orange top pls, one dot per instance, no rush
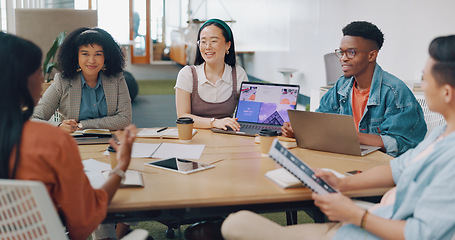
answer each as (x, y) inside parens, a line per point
(359, 103)
(51, 156)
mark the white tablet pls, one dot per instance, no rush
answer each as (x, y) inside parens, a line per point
(180, 165)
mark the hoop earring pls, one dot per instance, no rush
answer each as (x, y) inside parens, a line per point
(104, 67)
(227, 52)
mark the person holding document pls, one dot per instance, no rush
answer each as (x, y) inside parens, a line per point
(208, 91)
(386, 113)
(420, 204)
(36, 151)
(91, 91)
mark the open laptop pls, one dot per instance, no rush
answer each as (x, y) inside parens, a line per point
(327, 132)
(263, 105)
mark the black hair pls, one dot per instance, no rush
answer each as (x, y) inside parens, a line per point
(365, 30)
(19, 58)
(114, 58)
(442, 50)
(229, 58)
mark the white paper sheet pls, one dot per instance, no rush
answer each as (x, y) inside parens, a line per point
(168, 150)
(93, 171)
(141, 150)
(165, 150)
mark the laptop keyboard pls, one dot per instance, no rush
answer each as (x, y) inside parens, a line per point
(257, 126)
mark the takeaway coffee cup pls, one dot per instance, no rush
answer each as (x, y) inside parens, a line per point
(266, 137)
(185, 129)
(112, 156)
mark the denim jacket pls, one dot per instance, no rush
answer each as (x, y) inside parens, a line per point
(392, 111)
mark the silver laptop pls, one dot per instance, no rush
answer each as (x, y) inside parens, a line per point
(263, 106)
(327, 132)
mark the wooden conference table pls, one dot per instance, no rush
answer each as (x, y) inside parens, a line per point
(237, 181)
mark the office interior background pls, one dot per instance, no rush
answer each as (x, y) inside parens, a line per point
(280, 33)
(276, 34)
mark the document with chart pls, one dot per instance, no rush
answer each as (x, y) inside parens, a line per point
(299, 169)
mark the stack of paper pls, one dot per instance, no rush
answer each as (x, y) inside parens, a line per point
(285, 179)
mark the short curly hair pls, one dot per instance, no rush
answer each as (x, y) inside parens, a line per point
(365, 30)
(114, 59)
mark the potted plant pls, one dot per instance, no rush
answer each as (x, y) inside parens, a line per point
(49, 64)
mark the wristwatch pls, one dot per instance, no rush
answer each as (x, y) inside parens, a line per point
(211, 121)
(79, 126)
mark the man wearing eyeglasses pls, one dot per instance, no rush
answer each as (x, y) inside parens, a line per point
(385, 111)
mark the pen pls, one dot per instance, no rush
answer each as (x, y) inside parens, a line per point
(161, 129)
(217, 161)
(115, 138)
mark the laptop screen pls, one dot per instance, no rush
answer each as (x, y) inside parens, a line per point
(266, 103)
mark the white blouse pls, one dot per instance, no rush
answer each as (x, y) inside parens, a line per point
(209, 92)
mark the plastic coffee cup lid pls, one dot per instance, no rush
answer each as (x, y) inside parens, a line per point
(184, 120)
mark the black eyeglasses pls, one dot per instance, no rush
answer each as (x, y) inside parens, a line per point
(350, 53)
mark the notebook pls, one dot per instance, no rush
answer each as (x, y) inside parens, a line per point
(132, 178)
(92, 136)
(327, 132)
(263, 105)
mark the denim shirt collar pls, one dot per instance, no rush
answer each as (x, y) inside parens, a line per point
(84, 83)
(375, 88)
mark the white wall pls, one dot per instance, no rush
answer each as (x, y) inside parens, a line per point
(297, 33)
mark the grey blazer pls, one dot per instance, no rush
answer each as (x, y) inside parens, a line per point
(64, 95)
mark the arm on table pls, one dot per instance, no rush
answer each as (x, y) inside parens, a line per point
(49, 103)
(371, 140)
(335, 205)
(183, 107)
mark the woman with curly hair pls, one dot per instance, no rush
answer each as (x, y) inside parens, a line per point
(91, 91)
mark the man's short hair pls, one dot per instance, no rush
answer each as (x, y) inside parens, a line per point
(365, 30)
(442, 50)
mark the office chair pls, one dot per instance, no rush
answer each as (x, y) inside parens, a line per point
(27, 212)
(432, 119)
(332, 68)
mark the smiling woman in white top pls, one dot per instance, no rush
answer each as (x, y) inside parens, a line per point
(208, 91)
